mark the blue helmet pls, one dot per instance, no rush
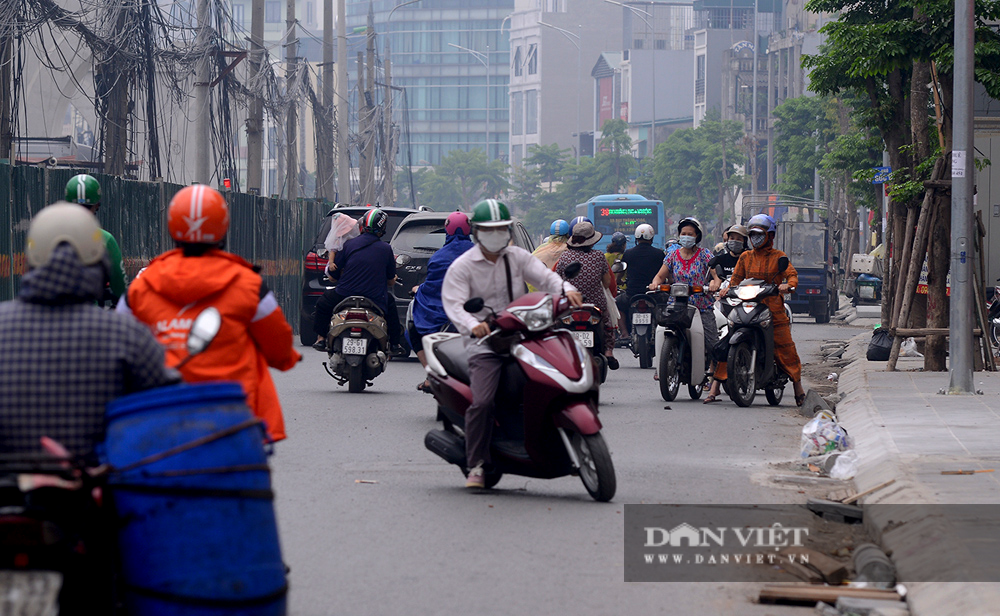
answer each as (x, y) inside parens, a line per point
(559, 228)
(762, 221)
(618, 239)
(578, 220)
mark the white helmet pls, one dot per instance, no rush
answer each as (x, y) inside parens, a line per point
(644, 232)
(64, 222)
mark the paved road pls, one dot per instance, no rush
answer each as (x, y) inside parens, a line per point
(417, 543)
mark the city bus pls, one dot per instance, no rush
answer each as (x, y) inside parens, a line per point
(611, 213)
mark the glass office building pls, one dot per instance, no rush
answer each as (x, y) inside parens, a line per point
(446, 87)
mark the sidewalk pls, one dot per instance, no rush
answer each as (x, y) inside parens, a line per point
(904, 430)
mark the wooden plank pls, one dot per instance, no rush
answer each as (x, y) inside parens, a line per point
(928, 331)
(869, 491)
(808, 595)
(829, 570)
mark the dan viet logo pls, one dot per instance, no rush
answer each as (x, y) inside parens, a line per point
(746, 545)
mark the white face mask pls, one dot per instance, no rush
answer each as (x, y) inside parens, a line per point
(687, 241)
(493, 240)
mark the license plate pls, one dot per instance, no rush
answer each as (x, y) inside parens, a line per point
(584, 338)
(31, 593)
(355, 346)
(642, 318)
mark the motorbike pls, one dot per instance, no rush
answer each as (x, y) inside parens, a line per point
(545, 419)
(993, 314)
(586, 325)
(641, 308)
(751, 364)
(680, 338)
(358, 343)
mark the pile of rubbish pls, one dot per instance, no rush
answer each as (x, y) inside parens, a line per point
(826, 446)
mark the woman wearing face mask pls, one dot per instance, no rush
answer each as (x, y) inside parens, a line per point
(689, 265)
(762, 263)
(736, 242)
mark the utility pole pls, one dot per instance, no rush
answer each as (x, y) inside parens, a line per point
(343, 154)
(368, 143)
(962, 169)
(6, 96)
(389, 141)
(202, 108)
(753, 130)
(324, 166)
(255, 121)
(291, 124)
(113, 91)
(362, 132)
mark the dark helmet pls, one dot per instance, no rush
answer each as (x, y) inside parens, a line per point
(374, 221)
(618, 239)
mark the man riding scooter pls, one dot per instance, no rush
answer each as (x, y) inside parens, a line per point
(497, 273)
(642, 262)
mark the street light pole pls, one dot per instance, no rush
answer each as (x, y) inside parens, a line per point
(569, 37)
(962, 170)
(484, 60)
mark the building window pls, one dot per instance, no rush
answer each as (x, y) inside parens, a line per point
(272, 12)
(238, 15)
(661, 44)
(533, 59)
(637, 43)
(518, 62)
(516, 113)
(515, 156)
(699, 80)
(310, 13)
(531, 112)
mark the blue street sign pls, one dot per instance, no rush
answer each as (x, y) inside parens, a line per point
(881, 175)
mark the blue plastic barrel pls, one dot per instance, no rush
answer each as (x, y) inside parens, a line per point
(197, 531)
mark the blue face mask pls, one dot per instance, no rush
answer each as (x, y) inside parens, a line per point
(687, 241)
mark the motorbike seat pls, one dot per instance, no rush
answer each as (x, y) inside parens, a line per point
(359, 301)
(453, 357)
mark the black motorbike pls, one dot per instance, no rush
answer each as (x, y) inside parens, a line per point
(993, 315)
(586, 325)
(643, 325)
(751, 364)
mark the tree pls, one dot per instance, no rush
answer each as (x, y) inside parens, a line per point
(804, 127)
(461, 179)
(616, 141)
(548, 160)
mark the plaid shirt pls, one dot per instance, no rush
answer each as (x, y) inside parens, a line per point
(62, 359)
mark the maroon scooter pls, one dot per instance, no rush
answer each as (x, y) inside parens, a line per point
(546, 423)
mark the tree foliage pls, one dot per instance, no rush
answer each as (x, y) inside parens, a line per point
(460, 180)
(804, 128)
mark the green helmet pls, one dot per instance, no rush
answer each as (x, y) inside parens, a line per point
(84, 189)
(490, 213)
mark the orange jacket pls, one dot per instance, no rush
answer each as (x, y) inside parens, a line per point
(254, 334)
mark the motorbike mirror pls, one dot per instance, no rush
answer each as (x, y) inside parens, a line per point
(204, 329)
(572, 270)
(782, 265)
(618, 267)
(474, 305)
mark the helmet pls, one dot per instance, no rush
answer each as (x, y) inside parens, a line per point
(490, 213)
(559, 228)
(577, 221)
(617, 239)
(691, 221)
(762, 220)
(644, 232)
(375, 221)
(84, 189)
(457, 221)
(198, 215)
(738, 229)
(64, 222)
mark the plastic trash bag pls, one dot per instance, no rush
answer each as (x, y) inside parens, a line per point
(909, 349)
(342, 228)
(880, 346)
(822, 435)
(846, 465)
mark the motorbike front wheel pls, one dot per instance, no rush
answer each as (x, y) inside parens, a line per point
(995, 330)
(597, 472)
(669, 371)
(742, 374)
(356, 381)
(695, 390)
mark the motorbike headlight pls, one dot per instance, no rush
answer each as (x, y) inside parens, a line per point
(679, 289)
(537, 317)
(748, 292)
(766, 321)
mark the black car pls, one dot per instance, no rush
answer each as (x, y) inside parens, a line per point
(315, 262)
(416, 239)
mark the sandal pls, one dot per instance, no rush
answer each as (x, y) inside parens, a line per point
(710, 399)
(425, 387)
(799, 399)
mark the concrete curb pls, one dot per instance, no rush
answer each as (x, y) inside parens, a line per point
(922, 546)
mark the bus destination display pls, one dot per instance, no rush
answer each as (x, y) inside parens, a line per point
(610, 219)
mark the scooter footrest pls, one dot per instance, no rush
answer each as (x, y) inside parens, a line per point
(512, 449)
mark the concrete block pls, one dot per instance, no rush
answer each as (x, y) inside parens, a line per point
(852, 606)
(869, 312)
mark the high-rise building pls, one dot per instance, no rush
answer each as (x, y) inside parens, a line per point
(453, 62)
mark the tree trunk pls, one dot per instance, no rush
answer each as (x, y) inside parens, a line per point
(939, 252)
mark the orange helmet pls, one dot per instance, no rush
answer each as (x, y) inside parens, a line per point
(198, 215)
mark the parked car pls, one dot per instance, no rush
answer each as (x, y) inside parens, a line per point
(315, 258)
(416, 239)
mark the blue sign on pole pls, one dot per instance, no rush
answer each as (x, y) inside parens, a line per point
(881, 175)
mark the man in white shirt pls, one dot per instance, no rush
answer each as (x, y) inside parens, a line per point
(496, 272)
